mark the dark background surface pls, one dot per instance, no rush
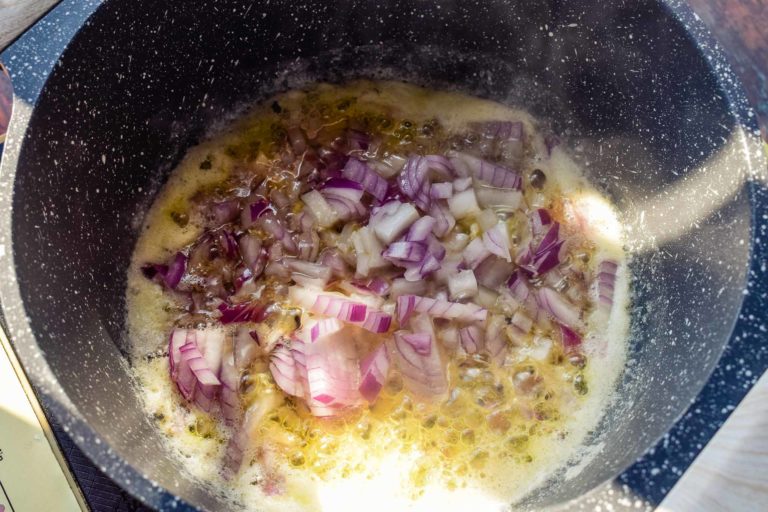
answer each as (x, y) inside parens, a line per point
(740, 26)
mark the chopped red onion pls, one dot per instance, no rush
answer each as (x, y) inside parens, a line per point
(462, 285)
(493, 272)
(407, 304)
(571, 339)
(225, 211)
(324, 215)
(475, 253)
(421, 229)
(606, 280)
(371, 182)
(462, 184)
(495, 175)
(369, 251)
(243, 312)
(392, 219)
(373, 373)
(444, 220)
(441, 190)
(404, 287)
(420, 364)
(319, 329)
(464, 204)
(472, 339)
(557, 306)
(399, 252)
(282, 366)
(496, 240)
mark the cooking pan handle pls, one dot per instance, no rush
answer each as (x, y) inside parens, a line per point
(16, 16)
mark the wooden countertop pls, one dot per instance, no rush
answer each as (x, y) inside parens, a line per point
(731, 473)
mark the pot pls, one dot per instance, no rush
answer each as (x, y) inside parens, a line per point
(644, 100)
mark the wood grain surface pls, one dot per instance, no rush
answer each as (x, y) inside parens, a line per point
(17, 15)
(741, 27)
(731, 473)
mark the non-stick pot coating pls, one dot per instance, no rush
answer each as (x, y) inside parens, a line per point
(637, 102)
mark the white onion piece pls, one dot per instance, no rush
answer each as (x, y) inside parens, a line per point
(324, 215)
(391, 220)
(464, 204)
(462, 285)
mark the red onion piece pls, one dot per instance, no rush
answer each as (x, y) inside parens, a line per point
(540, 220)
(441, 190)
(472, 339)
(462, 184)
(493, 272)
(407, 304)
(282, 366)
(392, 220)
(462, 285)
(415, 180)
(444, 220)
(420, 270)
(243, 312)
(495, 175)
(464, 204)
(496, 240)
(373, 373)
(475, 253)
(498, 199)
(606, 280)
(191, 356)
(495, 339)
(399, 252)
(571, 339)
(377, 322)
(371, 182)
(229, 398)
(557, 306)
(319, 329)
(223, 212)
(419, 361)
(421, 229)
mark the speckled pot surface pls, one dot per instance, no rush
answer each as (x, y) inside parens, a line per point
(644, 103)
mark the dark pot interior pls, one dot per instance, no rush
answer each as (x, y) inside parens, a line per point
(638, 101)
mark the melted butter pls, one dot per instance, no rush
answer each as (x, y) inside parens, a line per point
(488, 444)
